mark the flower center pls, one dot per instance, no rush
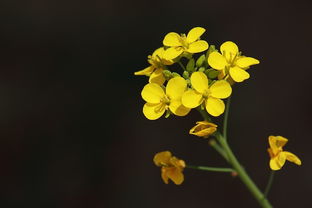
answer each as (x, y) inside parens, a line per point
(183, 41)
(206, 94)
(230, 58)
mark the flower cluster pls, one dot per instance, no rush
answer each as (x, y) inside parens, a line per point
(205, 79)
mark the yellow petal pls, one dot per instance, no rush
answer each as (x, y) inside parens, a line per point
(172, 53)
(194, 34)
(162, 158)
(203, 129)
(214, 106)
(177, 163)
(157, 77)
(153, 111)
(277, 143)
(217, 61)
(172, 39)
(152, 93)
(178, 109)
(238, 74)
(158, 52)
(175, 175)
(220, 89)
(198, 46)
(147, 71)
(292, 158)
(164, 175)
(199, 82)
(245, 62)
(229, 50)
(277, 162)
(191, 99)
(176, 87)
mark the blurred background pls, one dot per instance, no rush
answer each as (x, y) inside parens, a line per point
(72, 129)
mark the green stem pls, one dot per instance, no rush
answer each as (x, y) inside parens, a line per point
(182, 66)
(204, 114)
(226, 116)
(218, 148)
(222, 139)
(214, 169)
(269, 185)
(255, 191)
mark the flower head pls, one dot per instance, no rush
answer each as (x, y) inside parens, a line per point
(157, 63)
(184, 43)
(278, 156)
(203, 129)
(230, 62)
(209, 95)
(159, 100)
(171, 167)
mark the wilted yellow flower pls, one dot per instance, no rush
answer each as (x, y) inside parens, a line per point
(210, 95)
(203, 129)
(154, 71)
(230, 62)
(278, 156)
(158, 101)
(189, 43)
(171, 167)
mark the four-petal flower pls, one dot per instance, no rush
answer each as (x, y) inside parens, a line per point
(278, 156)
(155, 70)
(159, 100)
(184, 43)
(230, 62)
(209, 95)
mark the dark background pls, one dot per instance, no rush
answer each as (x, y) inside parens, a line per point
(72, 131)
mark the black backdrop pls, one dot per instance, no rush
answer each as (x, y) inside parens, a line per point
(72, 132)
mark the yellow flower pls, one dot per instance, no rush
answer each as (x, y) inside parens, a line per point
(159, 100)
(180, 43)
(157, 63)
(203, 129)
(209, 95)
(171, 167)
(278, 156)
(230, 62)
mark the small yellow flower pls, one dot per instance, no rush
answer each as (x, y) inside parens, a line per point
(278, 156)
(184, 43)
(209, 95)
(157, 63)
(230, 63)
(171, 167)
(203, 129)
(158, 100)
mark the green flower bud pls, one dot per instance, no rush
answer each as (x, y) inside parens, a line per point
(186, 75)
(167, 74)
(174, 74)
(201, 69)
(190, 67)
(211, 49)
(211, 73)
(200, 61)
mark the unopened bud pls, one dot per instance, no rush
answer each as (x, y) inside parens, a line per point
(200, 61)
